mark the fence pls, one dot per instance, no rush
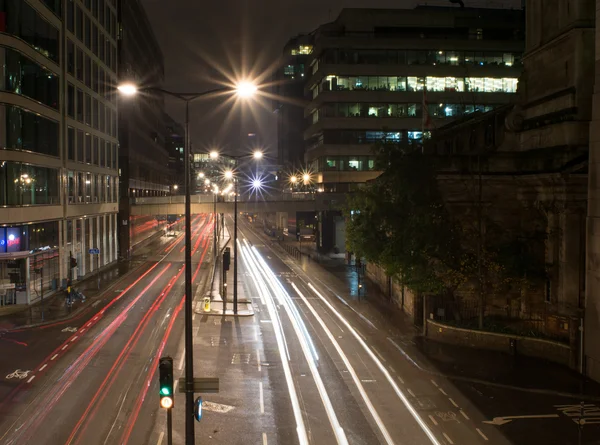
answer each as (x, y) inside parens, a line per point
(538, 321)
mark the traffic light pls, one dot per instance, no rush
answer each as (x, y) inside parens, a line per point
(226, 258)
(165, 376)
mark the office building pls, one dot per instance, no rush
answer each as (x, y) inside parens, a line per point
(58, 165)
(143, 132)
(393, 75)
(175, 144)
(289, 83)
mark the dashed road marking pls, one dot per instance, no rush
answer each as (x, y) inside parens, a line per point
(65, 347)
(262, 399)
(81, 331)
(42, 368)
(265, 439)
(258, 359)
(54, 356)
(411, 393)
(95, 318)
(74, 338)
(443, 392)
(464, 414)
(160, 438)
(434, 383)
(481, 434)
(401, 381)
(378, 354)
(182, 359)
(448, 439)
(453, 402)
(433, 419)
(30, 379)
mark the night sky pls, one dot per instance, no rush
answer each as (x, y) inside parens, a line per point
(201, 40)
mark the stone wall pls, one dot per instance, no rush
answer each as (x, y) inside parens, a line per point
(400, 295)
(512, 344)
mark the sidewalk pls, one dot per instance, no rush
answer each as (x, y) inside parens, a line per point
(54, 308)
(217, 306)
(454, 362)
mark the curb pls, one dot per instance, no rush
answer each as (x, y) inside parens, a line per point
(77, 311)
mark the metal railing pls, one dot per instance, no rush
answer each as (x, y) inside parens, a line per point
(206, 199)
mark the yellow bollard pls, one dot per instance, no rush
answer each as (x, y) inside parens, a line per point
(206, 304)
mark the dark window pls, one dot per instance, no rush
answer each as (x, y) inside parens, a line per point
(88, 32)
(71, 101)
(79, 63)
(70, 57)
(101, 9)
(54, 5)
(79, 23)
(24, 76)
(102, 154)
(87, 72)
(95, 8)
(25, 22)
(88, 109)
(95, 76)
(71, 16)
(96, 151)
(80, 147)
(102, 117)
(71, 143)
(79, 105)
(94, 39)
(95, 114)
(101, 46)
(114, 156)
(88, 148)
(28, 131)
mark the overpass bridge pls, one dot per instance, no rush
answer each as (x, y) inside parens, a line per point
(281, 202)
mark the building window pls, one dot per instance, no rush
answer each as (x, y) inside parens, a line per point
(79, 105)
(88, 148)
(71, 101)
(71, 143)
(23, 76)
(70, 57)
(24, 184)
(80, 148)
(28, 131)
(26, 23)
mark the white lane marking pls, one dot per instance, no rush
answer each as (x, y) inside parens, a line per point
(433, 419)
(464, 415)
(283, 353)
(453, 402)
(160, 438)
(30, 379)
(182, 359)
(262, 398)
(88, 325)
(54, 356)
(81, 331)
(42, 368)
(95, 318)
(382, 368)
(266, 321)
(351, 370)
(256, 333)
(378, 354)
(434, 383)
(194, 316)
(448, 439)
(305, 341)
(481, 434)
(175, 385)
(258, 359)
(401, 381)
(265, 439)
(443, 392)
(74, 338)
(410, 392)
(65, 347)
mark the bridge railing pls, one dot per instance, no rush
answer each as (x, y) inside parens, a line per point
(201, 199)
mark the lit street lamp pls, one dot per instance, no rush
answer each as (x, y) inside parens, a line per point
(256, 155)
(244, 89)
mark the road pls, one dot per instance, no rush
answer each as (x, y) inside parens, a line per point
(88, 383)
(310, 367)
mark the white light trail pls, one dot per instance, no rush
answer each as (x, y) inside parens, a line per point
(382, 368)
(300, 428)
(349, 367)
(304, 339)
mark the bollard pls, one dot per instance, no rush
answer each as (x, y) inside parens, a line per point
(206, 304)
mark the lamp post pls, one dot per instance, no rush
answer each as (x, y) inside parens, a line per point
(244, 90)
(256, 155)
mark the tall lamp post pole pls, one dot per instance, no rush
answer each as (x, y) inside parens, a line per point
(235, 252)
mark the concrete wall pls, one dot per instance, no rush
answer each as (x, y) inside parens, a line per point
(512, 344)
(399, 294)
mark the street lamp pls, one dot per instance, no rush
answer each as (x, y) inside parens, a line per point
(256, 155)
(201, 175)
(207, 181)
(293, 179)
(244, 89)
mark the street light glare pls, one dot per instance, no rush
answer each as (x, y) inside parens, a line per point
(201, 175)
(128, 89)
(257, 184)
(306, 177)
(207, 181)
(293, 179)
(258, 154)
(246, 89)
(228, 174)
(214, 154)
(175, 187)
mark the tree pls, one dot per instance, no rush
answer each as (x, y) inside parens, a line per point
(399, 222)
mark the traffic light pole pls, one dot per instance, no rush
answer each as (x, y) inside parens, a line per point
(235, 253)
(170, 426)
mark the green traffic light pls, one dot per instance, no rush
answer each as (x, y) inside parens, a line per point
(165, 391)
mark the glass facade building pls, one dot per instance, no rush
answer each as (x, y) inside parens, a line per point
(58, 137)
(394, 75)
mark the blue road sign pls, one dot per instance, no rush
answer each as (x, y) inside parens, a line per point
(94, 251)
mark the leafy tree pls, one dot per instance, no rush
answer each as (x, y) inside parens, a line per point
(399, 222)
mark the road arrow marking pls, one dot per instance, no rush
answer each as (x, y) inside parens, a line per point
(507, 419)
(216, 407)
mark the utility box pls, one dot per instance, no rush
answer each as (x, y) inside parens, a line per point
(226, 258)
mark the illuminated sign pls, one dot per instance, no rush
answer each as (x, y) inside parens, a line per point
(13, 239)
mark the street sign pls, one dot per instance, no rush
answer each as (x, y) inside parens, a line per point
(202, 384)
(94, 251)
